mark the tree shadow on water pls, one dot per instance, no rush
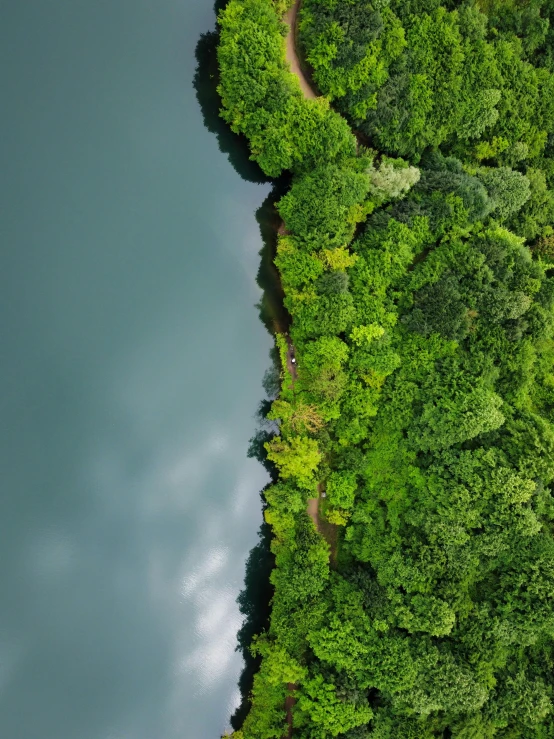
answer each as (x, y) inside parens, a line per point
(255, 599)
(273, 313)
(255, 605)
(205, 82)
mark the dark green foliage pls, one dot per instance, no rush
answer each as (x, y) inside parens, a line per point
(451, 74)
(349, 46)
(537, 213)
(323, 207)
(439, 308)
(507, 190)
(445, 84)
(263, 100)
(446, 175)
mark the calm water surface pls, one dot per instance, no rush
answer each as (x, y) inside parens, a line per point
(131, 365)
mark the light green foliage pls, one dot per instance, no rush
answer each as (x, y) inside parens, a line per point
(363, 335)
(302, 572)
(322, 372)
(327, 352)
(297, 135)
(341, 489)
(338, 258)
(521, 700)
(321, 315)
(393, 179)
(297, 458)
(537, 213)
(481, 115)
(445, 686)
(426, 614)
(285, 496)
(328, 714)
(297, 267)
(280, 668)
(267, 715)
(281, 6)
(296, 416)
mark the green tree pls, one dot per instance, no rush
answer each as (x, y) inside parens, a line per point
(323, 207)
(297, 457)
(329, 715)
(451, 416)
(393, 179)
(508, 190)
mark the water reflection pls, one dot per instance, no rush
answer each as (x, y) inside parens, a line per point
(255, 599)
(131, 370)
(202, 623)
(254, 605)
(272, 311)
(205, 83)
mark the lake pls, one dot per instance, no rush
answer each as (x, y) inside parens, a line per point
(132, 365)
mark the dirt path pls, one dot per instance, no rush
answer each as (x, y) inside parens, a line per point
(309, 94)
(292, 56)
(329, 531)
(291, 366)
(290, 700)
(291, 17)
(313, 511)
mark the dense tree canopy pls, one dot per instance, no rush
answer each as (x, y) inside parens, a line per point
(419, 279)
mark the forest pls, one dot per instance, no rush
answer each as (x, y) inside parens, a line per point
(417, 261)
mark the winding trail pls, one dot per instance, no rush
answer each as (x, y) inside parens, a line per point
(291, 17)
(296, 67)
(325, 529)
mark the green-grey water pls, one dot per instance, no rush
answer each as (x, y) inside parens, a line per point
(131, 368)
